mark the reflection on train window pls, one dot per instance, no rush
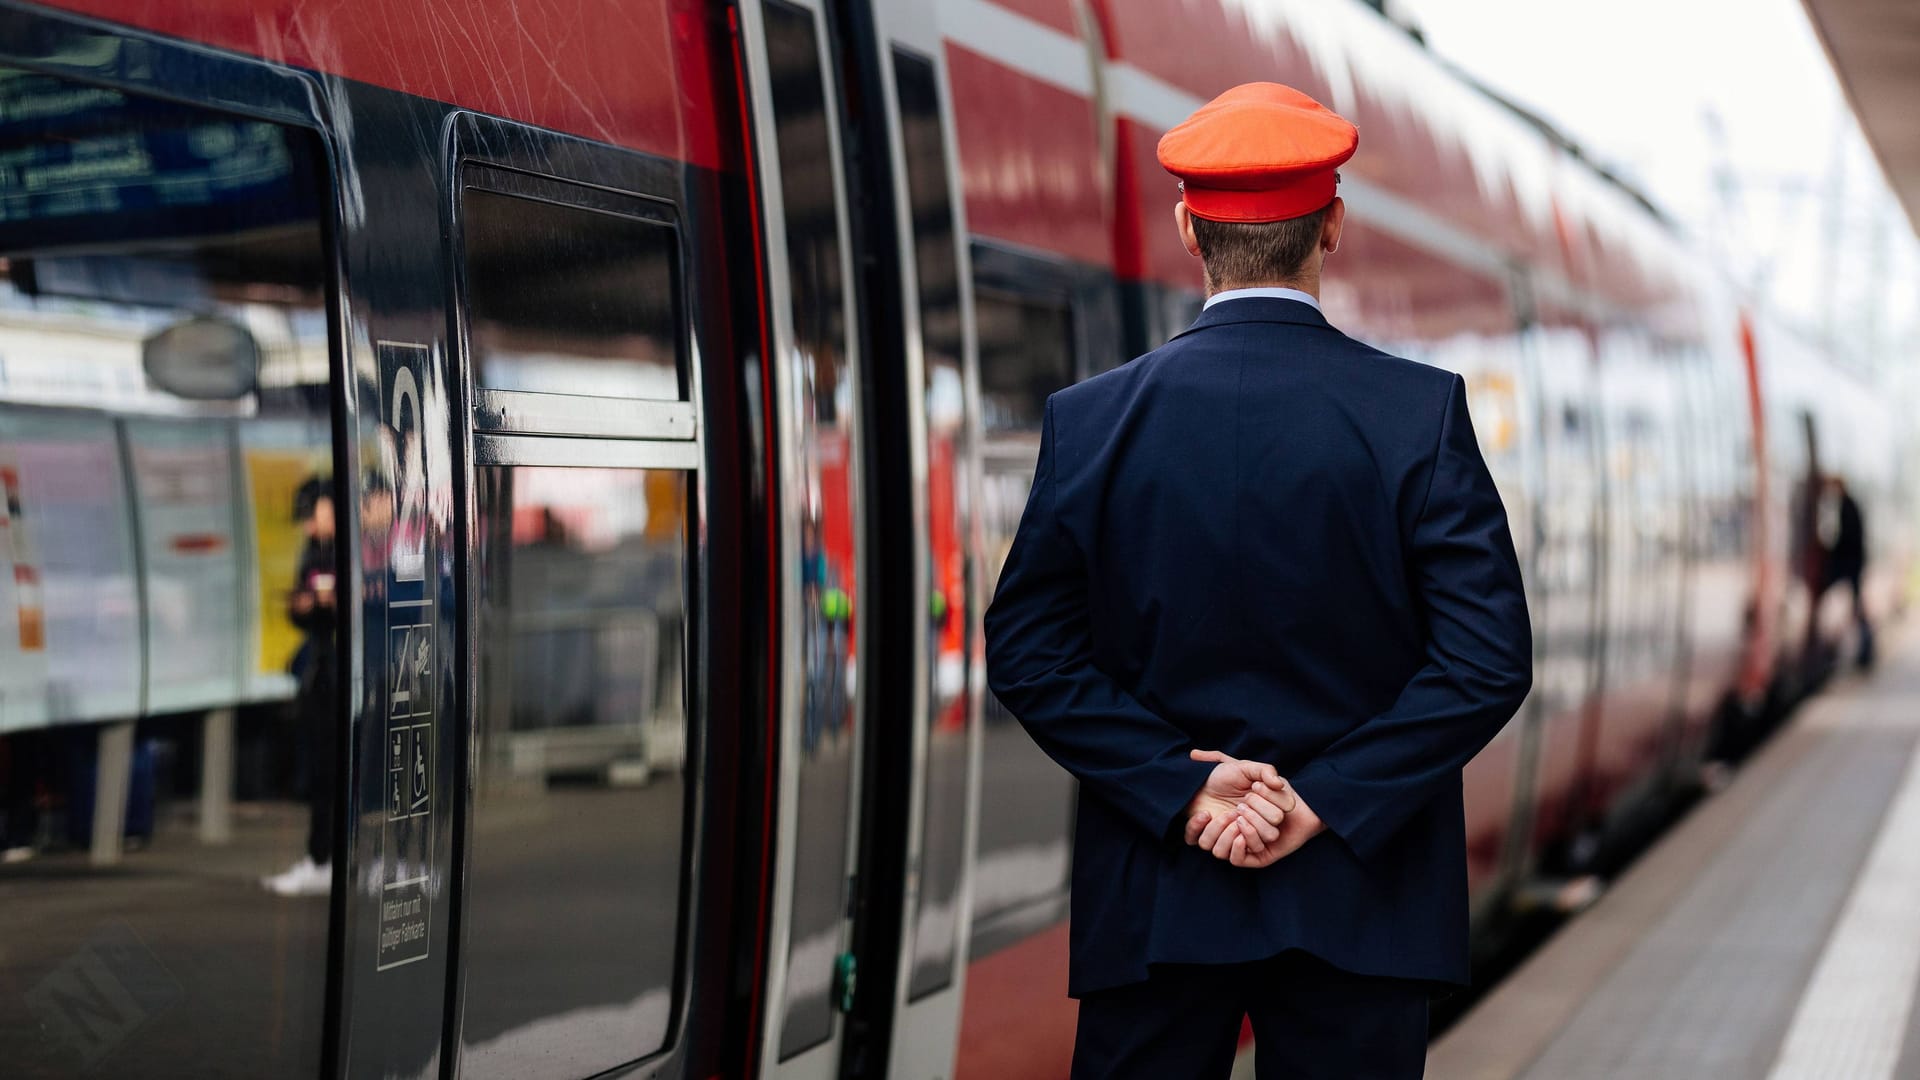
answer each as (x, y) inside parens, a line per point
(573, 891)
(1026, 801)
(168, 717)
(949, 612)
(1568, 563)
(1026, 353)
(596, 313)
(820, 383)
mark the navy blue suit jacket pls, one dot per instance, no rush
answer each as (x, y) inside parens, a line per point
(1266, 538)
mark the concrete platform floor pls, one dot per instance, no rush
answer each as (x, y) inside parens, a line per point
(1775, 932)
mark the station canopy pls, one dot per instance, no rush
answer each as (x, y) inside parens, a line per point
(1875, 48)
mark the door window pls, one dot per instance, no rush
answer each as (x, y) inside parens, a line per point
(570, 943)
(595, 317)
(950, 615)
(820, 384)
(577, 851)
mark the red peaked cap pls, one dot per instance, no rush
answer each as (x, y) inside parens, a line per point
(1259, 152)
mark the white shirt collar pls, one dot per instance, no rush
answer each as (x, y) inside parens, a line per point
(1270, 294)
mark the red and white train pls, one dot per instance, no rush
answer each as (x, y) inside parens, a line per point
(676, 368)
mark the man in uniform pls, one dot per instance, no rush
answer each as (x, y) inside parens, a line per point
(1264, 605)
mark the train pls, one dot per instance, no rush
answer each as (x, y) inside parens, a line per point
(673, 370)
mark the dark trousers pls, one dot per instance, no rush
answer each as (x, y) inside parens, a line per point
(320, 724)
(1309, 1020)
(1864, 649)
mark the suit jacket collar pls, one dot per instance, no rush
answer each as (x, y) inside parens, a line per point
(1256, 309)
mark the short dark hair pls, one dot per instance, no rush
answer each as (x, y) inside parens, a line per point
(1245, 252)
(309, 494)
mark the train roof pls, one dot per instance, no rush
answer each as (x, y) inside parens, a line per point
(1430, 136)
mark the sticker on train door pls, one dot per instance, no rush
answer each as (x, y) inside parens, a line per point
(406, 840)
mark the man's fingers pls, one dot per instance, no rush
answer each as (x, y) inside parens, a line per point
(1280, 793)
(1196, 823)
(1223, 845)
(1208, 755)
(1243, 821)
(1259, 772)
(1256, 821)
(1237, 855)
(1258, 833)
(1265, 807)
(1210, 835)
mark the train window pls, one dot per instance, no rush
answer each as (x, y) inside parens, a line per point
(950, 632)
(576, 836)
(1026, 353)
(168, 581)
(596, 313)
(823, 449)
(579, 807)
(1026, 805)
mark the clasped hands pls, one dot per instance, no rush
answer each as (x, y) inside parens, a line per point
(1247, 814)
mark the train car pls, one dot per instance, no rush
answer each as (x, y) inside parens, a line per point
(500, 501)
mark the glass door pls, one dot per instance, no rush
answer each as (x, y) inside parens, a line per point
(941, 425)
(583, 555)
(815, 377)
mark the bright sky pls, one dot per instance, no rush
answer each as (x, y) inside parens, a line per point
(1675, 93)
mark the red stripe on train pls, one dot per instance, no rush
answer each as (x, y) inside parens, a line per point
(611, 70)
(1029, 160)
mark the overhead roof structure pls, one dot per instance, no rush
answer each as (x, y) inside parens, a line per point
(1875, 49)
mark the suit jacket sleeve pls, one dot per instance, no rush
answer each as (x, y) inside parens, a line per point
(1461, 562)
(1040, 664)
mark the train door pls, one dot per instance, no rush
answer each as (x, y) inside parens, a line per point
(1715, 541)
(585, 615)
(1467, 324)
(1041, 325)
(923, 788)
(815, 363)
(1570, 563)
(1496, 782)
(1644, 572)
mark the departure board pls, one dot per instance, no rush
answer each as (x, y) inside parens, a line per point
(82, 165)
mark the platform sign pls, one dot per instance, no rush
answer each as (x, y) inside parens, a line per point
(70, 509)
(277, 455)
(408, 784)
(189, 540)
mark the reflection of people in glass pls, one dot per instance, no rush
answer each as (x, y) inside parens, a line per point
(1846, 560)
(24, 761)
(312, 607)
(828, 637)
(819, 652)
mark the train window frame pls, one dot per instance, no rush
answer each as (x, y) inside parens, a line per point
(86, 52)
(1091, 296)
(579, 415)
(505, 428)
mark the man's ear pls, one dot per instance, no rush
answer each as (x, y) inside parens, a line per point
(1330, 225)
(1183, 220)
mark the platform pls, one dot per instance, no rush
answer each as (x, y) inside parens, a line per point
(1773, 933)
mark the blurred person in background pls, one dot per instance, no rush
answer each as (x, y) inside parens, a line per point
(311, 606)
(1846, 561)
(25, 763)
